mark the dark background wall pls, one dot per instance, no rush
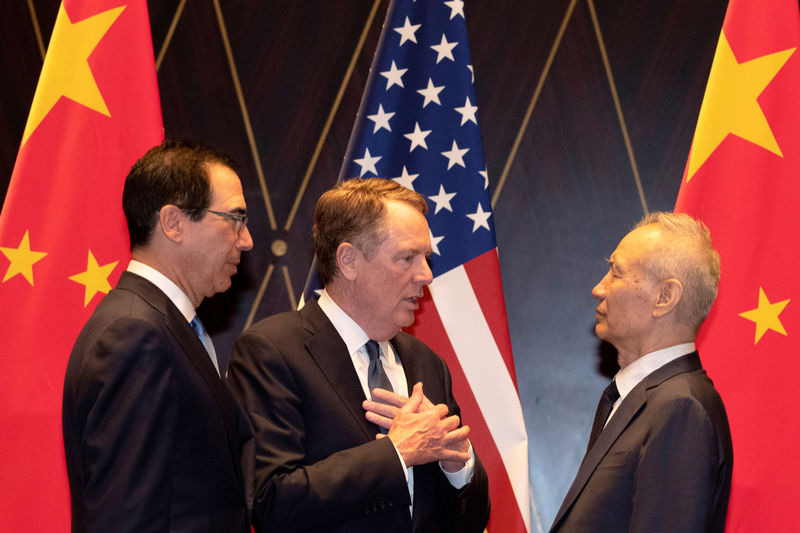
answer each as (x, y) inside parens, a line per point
(587, 109)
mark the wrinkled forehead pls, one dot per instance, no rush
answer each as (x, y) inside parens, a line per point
(402, 221)
(637, 244)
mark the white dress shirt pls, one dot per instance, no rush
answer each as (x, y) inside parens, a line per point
(630, 376)
(173, 292)
(355, 338)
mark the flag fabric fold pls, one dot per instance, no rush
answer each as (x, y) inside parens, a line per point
(418, 125)
(742, 181)
(63, 238)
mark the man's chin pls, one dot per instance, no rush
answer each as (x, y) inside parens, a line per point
(407, 319)
(223, 285)
(600, 331)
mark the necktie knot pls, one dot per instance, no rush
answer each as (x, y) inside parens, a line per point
(373, 350)
(205, 339)
(604, 408)
(612, 391)
(198, 327)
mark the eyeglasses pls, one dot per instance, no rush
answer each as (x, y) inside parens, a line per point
(241, 220)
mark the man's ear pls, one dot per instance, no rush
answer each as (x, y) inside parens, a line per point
(669, 294)
(346, 257)
(172, 222)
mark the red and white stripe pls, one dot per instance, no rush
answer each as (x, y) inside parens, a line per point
(466, 324)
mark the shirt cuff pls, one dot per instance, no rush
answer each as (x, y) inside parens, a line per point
(460, 478)
(402, 463)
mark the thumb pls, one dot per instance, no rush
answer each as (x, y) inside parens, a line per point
(413, 403)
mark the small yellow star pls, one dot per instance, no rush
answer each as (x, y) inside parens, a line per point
(95, 278)
(766, 315)
(730, 105)
(66, 69)
(22, 259)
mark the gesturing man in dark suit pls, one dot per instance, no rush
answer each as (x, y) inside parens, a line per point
(661, 461)
(305, 378)
(153, 436)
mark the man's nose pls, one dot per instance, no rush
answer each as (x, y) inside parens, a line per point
(425, 275)
(599, 290)
(245, 240)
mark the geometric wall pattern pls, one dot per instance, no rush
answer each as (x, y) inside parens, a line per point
(587, 109)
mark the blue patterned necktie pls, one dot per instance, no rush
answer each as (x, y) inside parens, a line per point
(376, 376)
(205, 338)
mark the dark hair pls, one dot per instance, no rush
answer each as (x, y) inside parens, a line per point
(354, 212)
(174, 172)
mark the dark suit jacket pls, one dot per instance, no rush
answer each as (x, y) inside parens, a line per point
(662, 464)
(318, 464)
(153, 437)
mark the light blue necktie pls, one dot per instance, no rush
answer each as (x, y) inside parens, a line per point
(205, 338)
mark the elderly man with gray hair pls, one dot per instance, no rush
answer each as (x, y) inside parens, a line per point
(660, 455)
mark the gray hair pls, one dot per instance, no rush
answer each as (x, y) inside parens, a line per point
(687, 254)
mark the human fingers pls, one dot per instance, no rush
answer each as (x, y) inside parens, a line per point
(449, 454)
(426, 403)
(389, 397)
(457, 438)
(441, 410)
(380, 408)
(450, 423)
(382, 421)
(413, 403)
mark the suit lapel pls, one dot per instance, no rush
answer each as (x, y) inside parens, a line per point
(409, 362)
(633, 403)
(330, 353)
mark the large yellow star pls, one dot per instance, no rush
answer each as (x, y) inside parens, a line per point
(766, 315)
(22, 259)
(95, 278)
(730, 104)
(66, 69)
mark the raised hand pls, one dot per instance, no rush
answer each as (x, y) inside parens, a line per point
(421, 431)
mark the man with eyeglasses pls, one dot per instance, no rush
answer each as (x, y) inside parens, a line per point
(154, 440)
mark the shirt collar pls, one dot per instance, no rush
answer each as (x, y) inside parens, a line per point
(167, 286)
(630, 376)
(350, 332)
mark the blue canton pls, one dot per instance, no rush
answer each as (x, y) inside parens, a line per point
(418, 125)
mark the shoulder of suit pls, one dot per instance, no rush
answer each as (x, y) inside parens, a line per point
(693, 386)
(403, 339)
(409, 344)
(279, 324)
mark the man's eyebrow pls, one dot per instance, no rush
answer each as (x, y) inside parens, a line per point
(612, 264)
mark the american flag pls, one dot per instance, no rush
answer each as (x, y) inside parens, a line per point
(418, 125)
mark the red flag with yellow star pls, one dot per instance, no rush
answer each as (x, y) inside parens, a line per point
(63, 237)
(743, 180)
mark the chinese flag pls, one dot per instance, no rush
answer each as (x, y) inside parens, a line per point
(63, 237)
(743, 180)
